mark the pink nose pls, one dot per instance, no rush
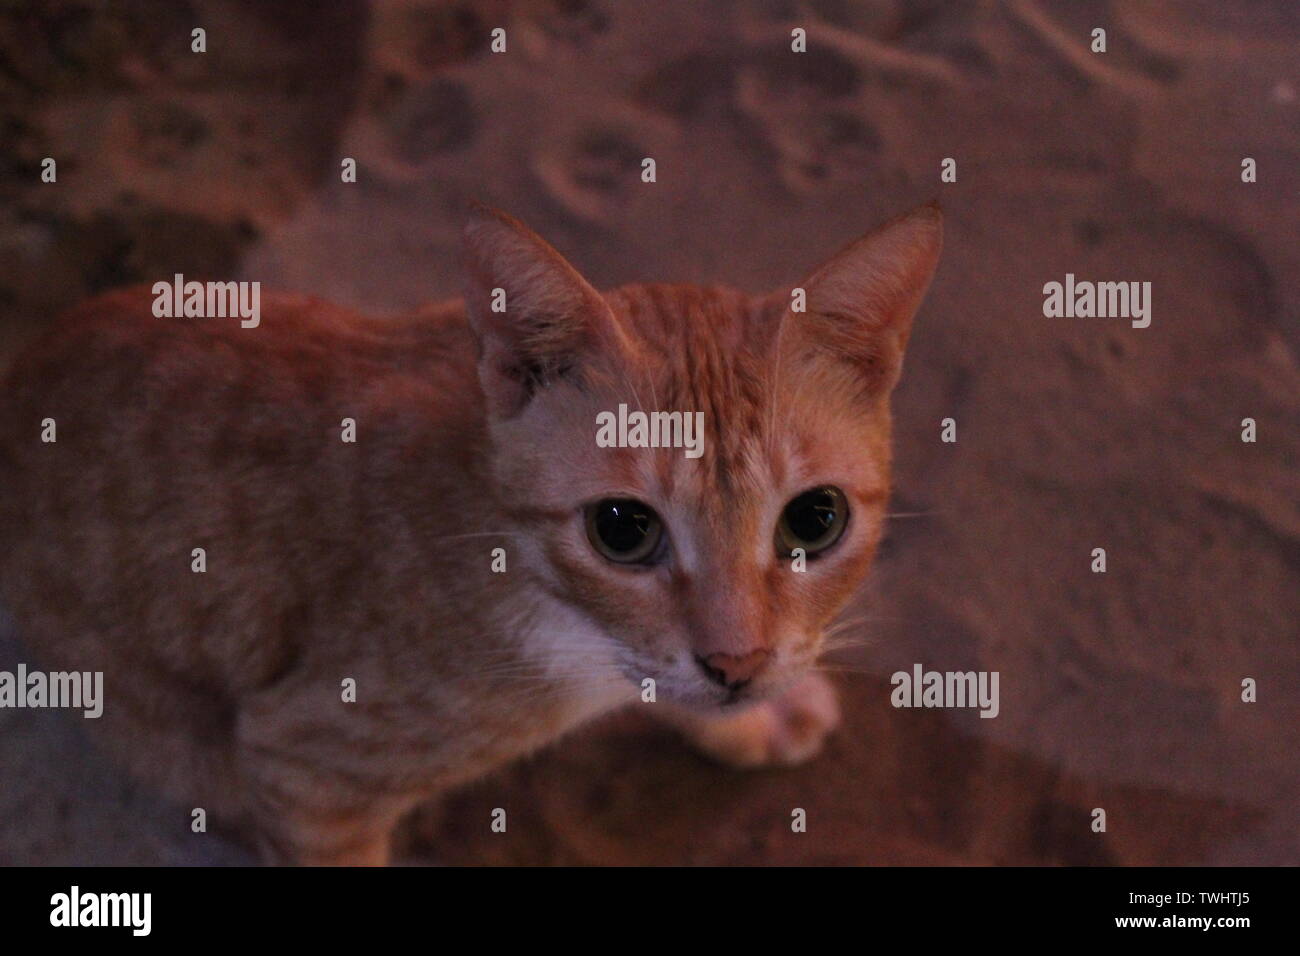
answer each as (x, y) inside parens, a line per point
(732, 671)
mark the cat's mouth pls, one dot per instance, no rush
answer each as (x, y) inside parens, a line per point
(686, 684)
(741, 697)
(708, 696)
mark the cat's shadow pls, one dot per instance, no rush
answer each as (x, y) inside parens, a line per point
(893, 787)
(888, 790)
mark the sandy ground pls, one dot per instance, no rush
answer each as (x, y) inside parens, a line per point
(1118, 690)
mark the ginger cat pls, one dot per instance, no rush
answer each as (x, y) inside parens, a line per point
(372, 560)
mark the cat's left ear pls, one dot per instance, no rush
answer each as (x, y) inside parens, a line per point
(860, 303)
(536, 319)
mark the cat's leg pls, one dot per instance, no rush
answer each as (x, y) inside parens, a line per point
(318, 837)
(304, 818)
(306, 808)
(416, 835)
(781, 732)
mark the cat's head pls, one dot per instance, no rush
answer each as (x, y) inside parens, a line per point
(713, 567)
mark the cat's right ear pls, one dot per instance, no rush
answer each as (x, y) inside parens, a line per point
(536, 319)
(860, 303)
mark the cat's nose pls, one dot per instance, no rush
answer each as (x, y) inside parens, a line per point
(733, 671)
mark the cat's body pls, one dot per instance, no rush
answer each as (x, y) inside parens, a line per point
(374, 561)
(325, 560)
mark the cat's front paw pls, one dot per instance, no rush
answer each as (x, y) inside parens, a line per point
(781, 732)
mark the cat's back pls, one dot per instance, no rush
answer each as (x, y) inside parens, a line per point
(185, 476)
(112, 387)
(113, 350)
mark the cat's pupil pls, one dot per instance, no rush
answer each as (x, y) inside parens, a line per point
(625, 530)
(812, 522)
(811, 515)
(623, 524)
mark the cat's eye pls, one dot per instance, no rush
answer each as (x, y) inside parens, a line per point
(624, 530)
(812, 521)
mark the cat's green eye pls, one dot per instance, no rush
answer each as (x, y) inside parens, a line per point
(624, 530)
(812, 521)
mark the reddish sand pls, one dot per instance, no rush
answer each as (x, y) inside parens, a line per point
(1118, 690)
